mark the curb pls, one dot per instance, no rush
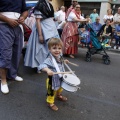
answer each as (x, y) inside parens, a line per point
(108, 50)
(112, 50)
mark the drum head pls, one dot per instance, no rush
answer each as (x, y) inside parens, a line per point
(71, 79)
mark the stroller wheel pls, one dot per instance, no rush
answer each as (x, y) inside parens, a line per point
(88, 59)
(105, 57)
(88, 55)
(106, 61)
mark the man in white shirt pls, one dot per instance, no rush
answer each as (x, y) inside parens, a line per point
(116, 17)
(60, 17)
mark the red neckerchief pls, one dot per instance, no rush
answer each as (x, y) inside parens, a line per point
(76, 13)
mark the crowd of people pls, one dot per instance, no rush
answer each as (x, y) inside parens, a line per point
(68, 21)
(53, 35)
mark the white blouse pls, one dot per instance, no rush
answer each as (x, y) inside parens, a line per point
(107, 17)
(72, 15)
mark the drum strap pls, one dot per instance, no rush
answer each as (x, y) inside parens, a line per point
(69, 69)
(56, 66)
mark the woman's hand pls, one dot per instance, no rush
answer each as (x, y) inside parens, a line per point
(66, 61)
(41, 39)
(108, 34)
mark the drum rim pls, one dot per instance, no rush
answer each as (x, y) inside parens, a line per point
(70, 90)
(70, 83)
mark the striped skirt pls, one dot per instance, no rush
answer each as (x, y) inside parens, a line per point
(70, 38)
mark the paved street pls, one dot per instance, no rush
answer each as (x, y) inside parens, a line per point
(98, 98)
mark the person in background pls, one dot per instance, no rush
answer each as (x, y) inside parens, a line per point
(88, 19)
(12, 14)
(56, 11)
(117, 36)
(60, 17)
(96, 25)
(116, 17)
(93, 16)
(108, 16)
(55, 15)
(106, 31)
(70, 35)
(52, 64)
(84, 36)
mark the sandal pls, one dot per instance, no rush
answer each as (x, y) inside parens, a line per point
(53, 107)
(61, 98)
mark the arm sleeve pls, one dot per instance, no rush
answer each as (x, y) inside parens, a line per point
(105, 17)
(46, 64)
(24, 8)
(81, 17)
(72, 15)
(37, 14)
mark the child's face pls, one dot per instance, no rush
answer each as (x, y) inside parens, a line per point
(108, 22)
(56, 50)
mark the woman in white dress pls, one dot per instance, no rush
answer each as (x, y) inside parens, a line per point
(70, 35)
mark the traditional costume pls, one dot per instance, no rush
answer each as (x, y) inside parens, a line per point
(70, 35)
(36, 52)
(53, 82)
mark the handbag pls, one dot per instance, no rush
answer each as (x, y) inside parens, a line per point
(27, 32)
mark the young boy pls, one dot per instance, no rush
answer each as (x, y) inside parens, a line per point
(53, 64)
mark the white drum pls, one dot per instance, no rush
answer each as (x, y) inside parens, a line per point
(70, 82)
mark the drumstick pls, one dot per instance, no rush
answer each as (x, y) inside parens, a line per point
(63, 72)
(73, 64)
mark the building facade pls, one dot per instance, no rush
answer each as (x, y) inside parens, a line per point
(87, 6)
(57, 4)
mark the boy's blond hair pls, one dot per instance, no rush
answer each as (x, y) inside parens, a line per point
(54, 41)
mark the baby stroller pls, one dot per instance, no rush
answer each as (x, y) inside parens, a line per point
(97, 47)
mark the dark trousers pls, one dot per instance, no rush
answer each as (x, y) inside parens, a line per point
(11, 42)
(117, 40)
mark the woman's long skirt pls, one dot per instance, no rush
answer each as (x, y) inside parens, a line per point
(70, 38)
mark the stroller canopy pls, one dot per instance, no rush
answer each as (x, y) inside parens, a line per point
(93, 37)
